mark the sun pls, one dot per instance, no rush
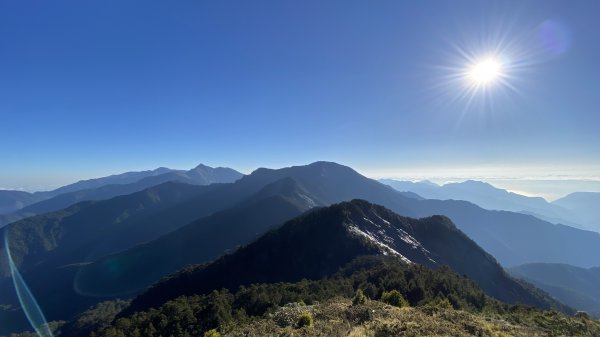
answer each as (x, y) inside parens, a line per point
(485, 72)
(477, 72)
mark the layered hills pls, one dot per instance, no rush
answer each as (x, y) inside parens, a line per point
(489, 197)
(98, 250)
(574, 286)
(319, 243)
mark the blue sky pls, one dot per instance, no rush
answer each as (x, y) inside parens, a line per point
(99, 87)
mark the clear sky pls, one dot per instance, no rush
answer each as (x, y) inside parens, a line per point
(89, 88)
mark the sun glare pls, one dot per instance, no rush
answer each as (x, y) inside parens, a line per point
(485, 72)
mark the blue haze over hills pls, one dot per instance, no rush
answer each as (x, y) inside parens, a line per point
(175, 224)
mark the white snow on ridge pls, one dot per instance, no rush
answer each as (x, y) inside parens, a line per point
(371, 222)
(404, 236)
(354, 229)
(382, 219)
(311, 203)
(386, 235)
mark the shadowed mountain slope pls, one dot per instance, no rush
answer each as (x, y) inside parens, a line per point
(574, 286)
(127, 183)
(317, 244)
(202, 240)
(88, 232)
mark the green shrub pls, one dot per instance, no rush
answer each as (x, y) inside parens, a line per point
(441, 302)
(305, 319)
(394, 298)
(212, 333)
(359, 298)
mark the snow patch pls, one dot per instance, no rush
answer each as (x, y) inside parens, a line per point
(404, 236)
(391, 238)
(382, 219)
(311, 203)
(369, 221)
(385, 248)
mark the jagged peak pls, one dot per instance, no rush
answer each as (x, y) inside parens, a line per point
(202, 167)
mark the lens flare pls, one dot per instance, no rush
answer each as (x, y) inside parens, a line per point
(554, 37)
(30, 307)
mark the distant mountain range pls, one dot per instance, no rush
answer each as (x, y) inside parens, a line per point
(50, 249)
(75, 257)
(585, 205)
(490, 197)
(18, 205)
(574, 286)
(11, 201)
(318, 244)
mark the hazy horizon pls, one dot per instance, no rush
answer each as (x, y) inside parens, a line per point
(551, 185)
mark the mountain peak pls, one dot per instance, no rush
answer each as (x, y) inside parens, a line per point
(312, 166)
(318, 243)
(471, 183)
(330, 182)
(428, 183)
(326, 164)
(202, 167)
(162, 169)
(207, 175)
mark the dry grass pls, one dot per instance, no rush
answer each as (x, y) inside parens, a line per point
(337, 318)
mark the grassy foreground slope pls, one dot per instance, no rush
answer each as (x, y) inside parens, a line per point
(339, 317)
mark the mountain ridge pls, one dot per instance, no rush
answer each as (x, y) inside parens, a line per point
(202, 240)
(574, 286)
(115, 185)
(490, 197)
(585, 204)
(319, 243)
(512, 238)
